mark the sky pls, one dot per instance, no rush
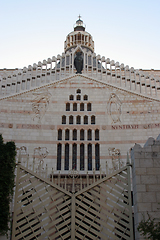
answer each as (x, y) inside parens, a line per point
(127, 31)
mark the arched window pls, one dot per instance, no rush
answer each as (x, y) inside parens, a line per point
(78, 97)
(63, 119)
(67, 106)
(81, 134)
(89, 134)
(74, 156)
(59, 134)
(71, 97)
(82, 107)
(82, 157)
(93, 119)
(78, 119)
(66, 165)
(85, 119)
(89, 107)
(97, 157)
(59, 153)
(96, 134)
(85, 97)
(89, 157)
(67, 134)
(78, 90)
(74, 134)
(74, 106)
(71, 119)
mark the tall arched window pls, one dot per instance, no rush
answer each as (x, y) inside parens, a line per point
(66, 165)
(82, 107)
(89, 157)
(71, 119)
(63, 119)
(71, 97)
(67, 134)
(78, 97)
(96, 134)
(74, 106)
(74, 156)
(74, 134)
(97, 157)
(89, 108)
(89, 134)
(59, 134)
(93, 119)
(78, 119)
(67, 106)
(59, 153)
(82, 157)
(85, 119)
(85, 97)
(81, 134)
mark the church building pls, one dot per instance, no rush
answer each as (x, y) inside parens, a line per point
(78, 112)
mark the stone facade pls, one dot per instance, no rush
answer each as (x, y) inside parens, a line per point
(146, 181)
(85, 121)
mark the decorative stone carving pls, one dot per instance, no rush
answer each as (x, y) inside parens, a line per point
(116, 162)
(41, 153)
(40, 104)
(114, 108)
(22, 153)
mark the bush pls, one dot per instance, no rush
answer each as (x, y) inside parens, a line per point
(7, 169)
(149, 228)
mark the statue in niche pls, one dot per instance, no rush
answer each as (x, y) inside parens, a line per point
(78, 62)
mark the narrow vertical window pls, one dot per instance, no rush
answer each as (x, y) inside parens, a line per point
(74, 134)
(78, 97)
(93, 120)
(59, 134)
(59, 153)
(63, 119)
(74, 106)
(67, 134)
(85, 97)
(82, 107)
(97, 157)
(71, 97)
(70, 119)
(78, 119)
(89, 134)
(89, 157)
(96, 134)
(82, 157)
(85, 119)
(81, 134)
(67, 106)
(74, 156)
(66, 165)
(89, 107)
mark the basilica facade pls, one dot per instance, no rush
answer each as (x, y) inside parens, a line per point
(79, 111)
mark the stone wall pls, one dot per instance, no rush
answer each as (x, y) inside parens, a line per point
(146, 181)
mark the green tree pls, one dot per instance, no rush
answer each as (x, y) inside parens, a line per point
(149, 228)
(7, 169)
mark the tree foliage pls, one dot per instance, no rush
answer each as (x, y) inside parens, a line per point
(149, 228)
(7, 169)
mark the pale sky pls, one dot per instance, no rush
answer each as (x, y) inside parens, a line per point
(127, 31)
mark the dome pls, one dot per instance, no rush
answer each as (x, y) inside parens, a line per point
(79, 37)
